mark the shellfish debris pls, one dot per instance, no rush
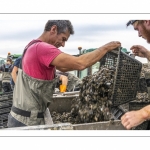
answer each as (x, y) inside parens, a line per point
(93, 103)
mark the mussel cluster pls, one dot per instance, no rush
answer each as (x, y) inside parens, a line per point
(145, 68)
(94, 101)
(143, 96)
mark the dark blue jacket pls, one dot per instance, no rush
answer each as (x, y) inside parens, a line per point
(16, 63)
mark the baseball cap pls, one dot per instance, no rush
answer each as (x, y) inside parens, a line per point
(131, 22)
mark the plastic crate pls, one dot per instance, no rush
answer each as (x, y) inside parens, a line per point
(5, 104)
(4, 117)
(0, 85)
(136, 105)
(5, 110)
(117, 112)
(109, 59)
(126, 80)
(142, 126)
(1, 123)
(4, 120)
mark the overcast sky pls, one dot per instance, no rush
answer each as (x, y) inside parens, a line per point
(91, 31)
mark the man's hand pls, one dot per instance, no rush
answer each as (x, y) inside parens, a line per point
(140, 51)
(63, 86)
(112, 45)
(64, 79)
(132, 119)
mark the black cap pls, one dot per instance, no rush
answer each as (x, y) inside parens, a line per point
(131, 22)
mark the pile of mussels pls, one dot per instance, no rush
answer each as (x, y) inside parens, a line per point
(93, 103)
(143, 96)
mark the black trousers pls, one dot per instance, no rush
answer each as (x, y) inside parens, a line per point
(12, 122)
(6, 87)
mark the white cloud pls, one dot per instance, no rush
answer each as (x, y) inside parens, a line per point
(91, 30)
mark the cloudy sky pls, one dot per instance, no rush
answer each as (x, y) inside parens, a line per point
(91, 31)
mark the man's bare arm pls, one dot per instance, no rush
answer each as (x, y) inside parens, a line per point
(66, 62)
(14, 73)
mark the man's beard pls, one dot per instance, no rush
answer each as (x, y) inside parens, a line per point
(146, 34)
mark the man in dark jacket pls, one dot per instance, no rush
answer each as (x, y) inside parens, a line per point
(14, 71)
(6, 75)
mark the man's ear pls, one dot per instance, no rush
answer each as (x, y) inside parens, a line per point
(147, 22)
(53, 29)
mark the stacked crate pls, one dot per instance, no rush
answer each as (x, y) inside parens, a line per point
(5, 107)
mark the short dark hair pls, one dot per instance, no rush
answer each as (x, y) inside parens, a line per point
(62, 26)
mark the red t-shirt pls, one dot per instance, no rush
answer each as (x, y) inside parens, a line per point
(37, 60)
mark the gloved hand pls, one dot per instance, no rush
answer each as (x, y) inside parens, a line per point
(63, 88)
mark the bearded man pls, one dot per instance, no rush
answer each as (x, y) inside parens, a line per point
(134, 118)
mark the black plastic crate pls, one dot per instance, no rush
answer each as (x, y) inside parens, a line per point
(126, 80)
(4, 117)
(0, 86)
(5, 104)
(3, 120)
(6, 96)
(1, 123)
(142, 126)
(5, 99)
(117, 112)
(5, 110)
(9, 102)
(109, 59)
(136, 105)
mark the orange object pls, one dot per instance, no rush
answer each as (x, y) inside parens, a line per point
(63, 88)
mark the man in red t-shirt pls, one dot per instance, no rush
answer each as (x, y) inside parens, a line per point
(35, 81)
(39, 56)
